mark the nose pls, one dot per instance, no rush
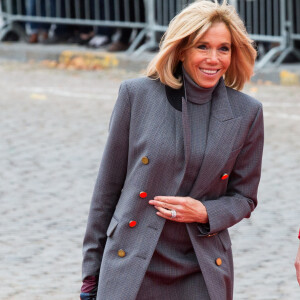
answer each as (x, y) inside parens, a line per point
(212, 57)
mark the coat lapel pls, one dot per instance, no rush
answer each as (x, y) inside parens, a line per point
(222, 132)
(223, 128)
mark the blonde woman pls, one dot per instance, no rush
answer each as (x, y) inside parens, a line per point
(181, 165)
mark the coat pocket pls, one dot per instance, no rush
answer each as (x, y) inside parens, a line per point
(112, 226)
(225, 239)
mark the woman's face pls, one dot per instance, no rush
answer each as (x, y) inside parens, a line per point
(211, 56)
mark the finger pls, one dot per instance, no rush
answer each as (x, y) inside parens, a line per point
(168, 217)
(167, 213)
(163, 215)
(168, 199)
(161, 204)
(164, 211)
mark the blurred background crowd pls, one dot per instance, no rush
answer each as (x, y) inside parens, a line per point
(113, 38)
(118, 25)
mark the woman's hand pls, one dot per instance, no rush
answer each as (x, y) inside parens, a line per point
(297, 265)
(188, 210)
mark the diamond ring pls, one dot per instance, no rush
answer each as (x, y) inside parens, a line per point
(173, 213)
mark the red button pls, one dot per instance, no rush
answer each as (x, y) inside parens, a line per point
(224, 176)
(132, 223)
(143, 194)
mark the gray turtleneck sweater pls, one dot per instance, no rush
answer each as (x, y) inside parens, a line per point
(174, 261)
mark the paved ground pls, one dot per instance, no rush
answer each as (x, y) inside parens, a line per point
(53, 126)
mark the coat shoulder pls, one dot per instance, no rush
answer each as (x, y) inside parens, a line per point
(242, 103)
(144, 90)
(141, 84)
(242, 98)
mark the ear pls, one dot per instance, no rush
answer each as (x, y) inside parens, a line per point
(182, 56)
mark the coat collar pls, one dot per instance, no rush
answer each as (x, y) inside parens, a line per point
(220, 104)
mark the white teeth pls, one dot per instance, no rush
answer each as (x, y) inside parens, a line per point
(209, 71)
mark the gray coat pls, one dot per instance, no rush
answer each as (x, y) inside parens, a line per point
(142, 126)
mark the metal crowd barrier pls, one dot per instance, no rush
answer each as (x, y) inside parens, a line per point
(294, 27)
(265, 21)
(273, 24)
(102, 13)
(160, 13)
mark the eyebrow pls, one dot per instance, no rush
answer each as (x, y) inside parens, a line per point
(222, 44)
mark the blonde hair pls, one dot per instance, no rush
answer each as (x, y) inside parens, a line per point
(185, 30)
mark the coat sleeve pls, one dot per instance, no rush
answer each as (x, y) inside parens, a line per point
(241, 195)
(109, 183)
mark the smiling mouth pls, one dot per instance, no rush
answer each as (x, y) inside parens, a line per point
(209, 72)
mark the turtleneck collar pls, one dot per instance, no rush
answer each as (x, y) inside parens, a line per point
(195, 93)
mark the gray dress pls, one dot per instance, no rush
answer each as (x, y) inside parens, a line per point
(173, 272)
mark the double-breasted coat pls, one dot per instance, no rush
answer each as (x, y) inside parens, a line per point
(139, 157)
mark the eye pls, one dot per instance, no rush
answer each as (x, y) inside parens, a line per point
(225, 48)
(202, 47)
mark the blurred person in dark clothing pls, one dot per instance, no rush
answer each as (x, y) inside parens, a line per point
(39, 30)
(135, 15)
(104, 34)
(297, 262)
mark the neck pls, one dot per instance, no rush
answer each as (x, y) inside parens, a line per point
(194, 92)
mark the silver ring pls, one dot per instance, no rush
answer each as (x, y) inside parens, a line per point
(173, 213)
